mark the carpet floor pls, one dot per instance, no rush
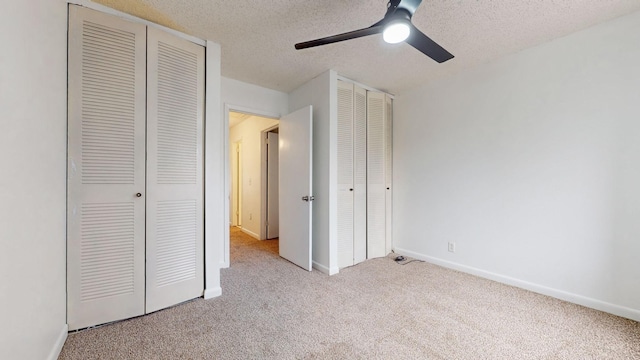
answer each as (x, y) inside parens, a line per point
(271, 309)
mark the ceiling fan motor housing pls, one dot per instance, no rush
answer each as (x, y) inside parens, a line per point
(410, 5)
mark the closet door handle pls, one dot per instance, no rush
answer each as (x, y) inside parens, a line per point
(138, 194)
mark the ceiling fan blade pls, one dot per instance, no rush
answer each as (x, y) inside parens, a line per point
(427, 46)
(374, 29)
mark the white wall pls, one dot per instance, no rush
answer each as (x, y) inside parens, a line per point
(248, 98)
(321, 93)
(249, 132)
(238, 94)
(33, 87)
(215, 131)
(530, 164)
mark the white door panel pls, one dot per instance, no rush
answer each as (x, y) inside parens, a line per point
(295, 151)
(345, 174)
(388, 147)
(376, 184)
(273, 211)
(175, 107)
(360, 175)
(105, 218)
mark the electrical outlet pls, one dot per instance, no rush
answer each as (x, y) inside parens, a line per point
(452, 247)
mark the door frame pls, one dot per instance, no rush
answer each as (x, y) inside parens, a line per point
(236, 170)
(225, 259)
(263, 183)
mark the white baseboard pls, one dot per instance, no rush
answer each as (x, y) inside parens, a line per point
(250, 233)
(324, 269)
(629, 313)
(57, 347)
(212, 293)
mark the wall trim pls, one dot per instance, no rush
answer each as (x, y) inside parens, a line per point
(325, 270)
(250, 233)
(57, 346)
(212, 293)
(629, 313)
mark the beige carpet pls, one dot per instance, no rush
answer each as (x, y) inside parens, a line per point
(271, 309)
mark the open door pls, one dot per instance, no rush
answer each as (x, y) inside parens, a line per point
(273, 210)
(295, 144)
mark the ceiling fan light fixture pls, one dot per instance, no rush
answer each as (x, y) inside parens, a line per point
(396, 32)
(396, 27)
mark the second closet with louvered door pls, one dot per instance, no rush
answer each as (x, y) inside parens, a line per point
(135, 191)
(364, 174)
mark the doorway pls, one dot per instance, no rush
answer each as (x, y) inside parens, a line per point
(295, 163)
(253, 160)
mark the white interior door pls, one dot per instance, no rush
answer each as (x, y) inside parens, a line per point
(360, 175)
(295, 163)
(376, 181)
(345, 174)
(106, 169)
(175, 230)
(388, 149)
(273, 211)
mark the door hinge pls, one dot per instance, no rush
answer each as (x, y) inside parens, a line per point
(308, 198)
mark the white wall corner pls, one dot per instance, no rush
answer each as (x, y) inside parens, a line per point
(57, 347)
(212, 293)
(629, 313)
(334, 270)
(325, 269)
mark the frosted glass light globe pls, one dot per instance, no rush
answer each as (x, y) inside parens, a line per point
(397, 32)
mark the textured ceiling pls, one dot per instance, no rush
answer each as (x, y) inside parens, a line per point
(257, 36)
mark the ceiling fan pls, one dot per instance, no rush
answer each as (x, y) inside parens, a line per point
(396, 27)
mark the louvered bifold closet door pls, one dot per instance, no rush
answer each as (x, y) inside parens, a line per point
(175, 108)
(376, 184)
(360, 175)
(345, 174)
(106, 169)
(388, 172)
